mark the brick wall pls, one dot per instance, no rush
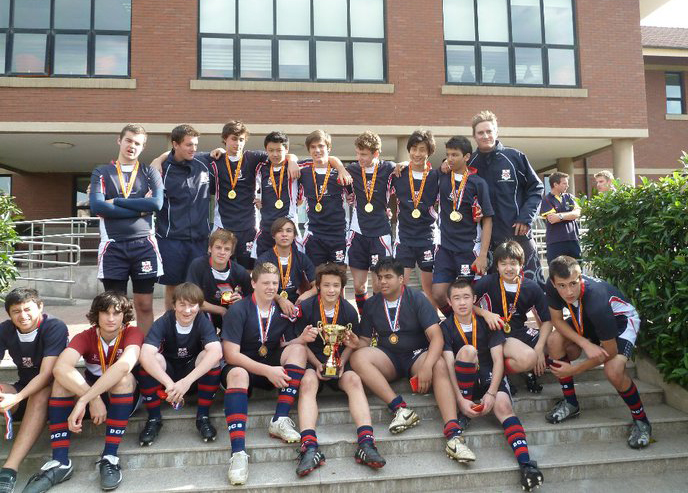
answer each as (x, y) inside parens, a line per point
(43, 195)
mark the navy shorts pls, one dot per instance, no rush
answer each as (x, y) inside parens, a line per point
(244, 245)
(409, 256)
(571, 248)
(623, 346)
(176, 257)
(403, 361)
(18, 411)
(91, 379)
(449, 265)
(526, 335)
(364, 252)
(138, 259)
(271, 359)
(321, 251)
(483, 382)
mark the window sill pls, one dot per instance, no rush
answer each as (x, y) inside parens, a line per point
(545, 92)
(672, 116)
(306, 86)
(68, 82)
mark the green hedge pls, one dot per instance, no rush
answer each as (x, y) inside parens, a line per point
(8, 237)
(638, 240)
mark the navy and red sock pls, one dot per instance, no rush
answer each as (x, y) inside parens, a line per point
(59, 409)
(567, 385)
(360, 301)
(465, 377)
(149, 387)
(118, 411)
(396, 403)
(207, 387)
(286, 396)
(236, 411)
(365, 434)
(516, 436)
(308, 439)
(452, 429)
(632, 399)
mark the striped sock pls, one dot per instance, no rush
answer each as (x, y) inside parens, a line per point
(360, 301)
(308, 439)
(149, 387)
(452, 429)
(285, 398)
(568, 388)
(396, 403)
(365, 434)
(516, 436)
(632, 399)
(236, 410)
(465, 377)
(59, 409)
(207, 387)
(118, 411)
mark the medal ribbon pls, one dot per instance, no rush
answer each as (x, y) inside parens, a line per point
(264, 329)
(394, 325)
(284, 276)
(278, 192)
(101, 355)
(474, 335)
(509, 312)
(456, 198)
(415, 197)
(319, 196)
(323, 317)
(369, 193)
(126, 187)
(234, 177)
(578, 323)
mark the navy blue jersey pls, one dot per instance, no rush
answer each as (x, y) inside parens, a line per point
(188, 186)
(289, 195)
(375, 223)
(422, 230)
(607, 313)
(486, 339)
(310, 315)
(28, 350)
(531, 297)
(563, 230)
(417, 315)
(241, 326)
(330, 223)
(515, 189)
(117, 220)
(180, 343)
(463, 236)
(302, 270)
(237, 214)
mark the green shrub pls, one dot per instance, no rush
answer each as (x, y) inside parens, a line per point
(8, 237)
(638, 240)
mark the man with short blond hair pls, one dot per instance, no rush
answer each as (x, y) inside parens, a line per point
(604, 181)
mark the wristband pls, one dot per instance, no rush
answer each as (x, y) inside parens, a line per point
(494, 396)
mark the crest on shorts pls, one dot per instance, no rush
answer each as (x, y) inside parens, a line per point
(27, 362)
(339, 255)
(146, 266)
(506, 174)
(373, 260)
(465, 270)
(182, 352)
(427, 256)
(249, 246)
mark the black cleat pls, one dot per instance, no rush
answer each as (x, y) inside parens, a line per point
(368, 455)
(532, 384)
(512, 388)
(531, 477)
(206, 429)
(51, 473)
(150, 431)
(110, 472)
(309, 460)
(562, 411)
(8, 479)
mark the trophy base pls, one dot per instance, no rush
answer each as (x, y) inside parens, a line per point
(330, 373)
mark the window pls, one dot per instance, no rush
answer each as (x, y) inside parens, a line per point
(80, 207)
(294, 40)
(65, 38)
(5, 184)
(675, 103)
(510, 42)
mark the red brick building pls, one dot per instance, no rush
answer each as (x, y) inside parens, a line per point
(572, 82)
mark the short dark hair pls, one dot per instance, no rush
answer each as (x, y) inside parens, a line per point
(235, 127)
(263, 268)
(188, 291)
(460, 143)
(330, 269)
(563, 267)
(389, 263)
(317, 136)
(556, 177)
(180, 131)
(21, 295)
(421, 137)
(223, 235)
(279, 224)
(509, 250)
(134, 128)
(460, 283)
(276, 138)
(107, 299)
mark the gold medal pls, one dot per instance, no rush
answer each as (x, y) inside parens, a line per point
(323, 189)
(369, 207)
(416, 196)
(326, 350)
(415, 214)
(231, 194)
(394, 338)
(263, 350)
(456, 216)
(318, 207)
(507, 328)
(284, 295)
(226, 297)
(279, 204)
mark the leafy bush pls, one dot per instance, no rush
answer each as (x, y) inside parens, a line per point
(8, 237)
(638, 240)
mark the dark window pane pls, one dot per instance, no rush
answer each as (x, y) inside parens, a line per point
(330, 60)
(294, 60)
(673, 86)
(2, 52)
(493, 21)
(368, 61)
(674, 107)
(562, 68)
(495, 69)
(112, 55)
(528, 65)
(28, 53)
(458, 20)
(256, 58)
(461, 64)
(4, 13)
(525, 21)
(217, 16)
(32, 14)
(217, 58)
(73, 14)
(255, 16)
(367, 19)
(329, 17)
(70, 54)
(294, 17)
(558, 22)
(113, 15)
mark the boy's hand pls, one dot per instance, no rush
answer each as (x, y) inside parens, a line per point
(444, 167)
(400, 167)
(278, 377)
(345, 178)
(217, 153)
(309, 334)
(494, 321)
(480, 265)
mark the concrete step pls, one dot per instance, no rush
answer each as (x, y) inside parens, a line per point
(432, 471)
(183, 447)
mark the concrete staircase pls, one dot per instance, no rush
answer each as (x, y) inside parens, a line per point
(585, 454)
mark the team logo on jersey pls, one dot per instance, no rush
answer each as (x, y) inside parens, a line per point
(205, 178)
(465, 270)
(182, 352)
(373, 260)
(339, 256)
(27, 362)
(427, 256)
(249, 246)
(146, 266)
(506, 174)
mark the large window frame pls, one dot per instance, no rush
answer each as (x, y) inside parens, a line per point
(50, 56)
(511, 46)
(312, 39)
(682, 95)
(8, 176)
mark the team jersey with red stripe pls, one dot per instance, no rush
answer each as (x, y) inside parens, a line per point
(375, 223)
(268, 197)
(86, 344)
(421, 230)
(486, 339)
(330, 223)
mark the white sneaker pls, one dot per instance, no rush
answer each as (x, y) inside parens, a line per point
(284, 429)
(238, 468)
(404, 418)
(458, 450)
